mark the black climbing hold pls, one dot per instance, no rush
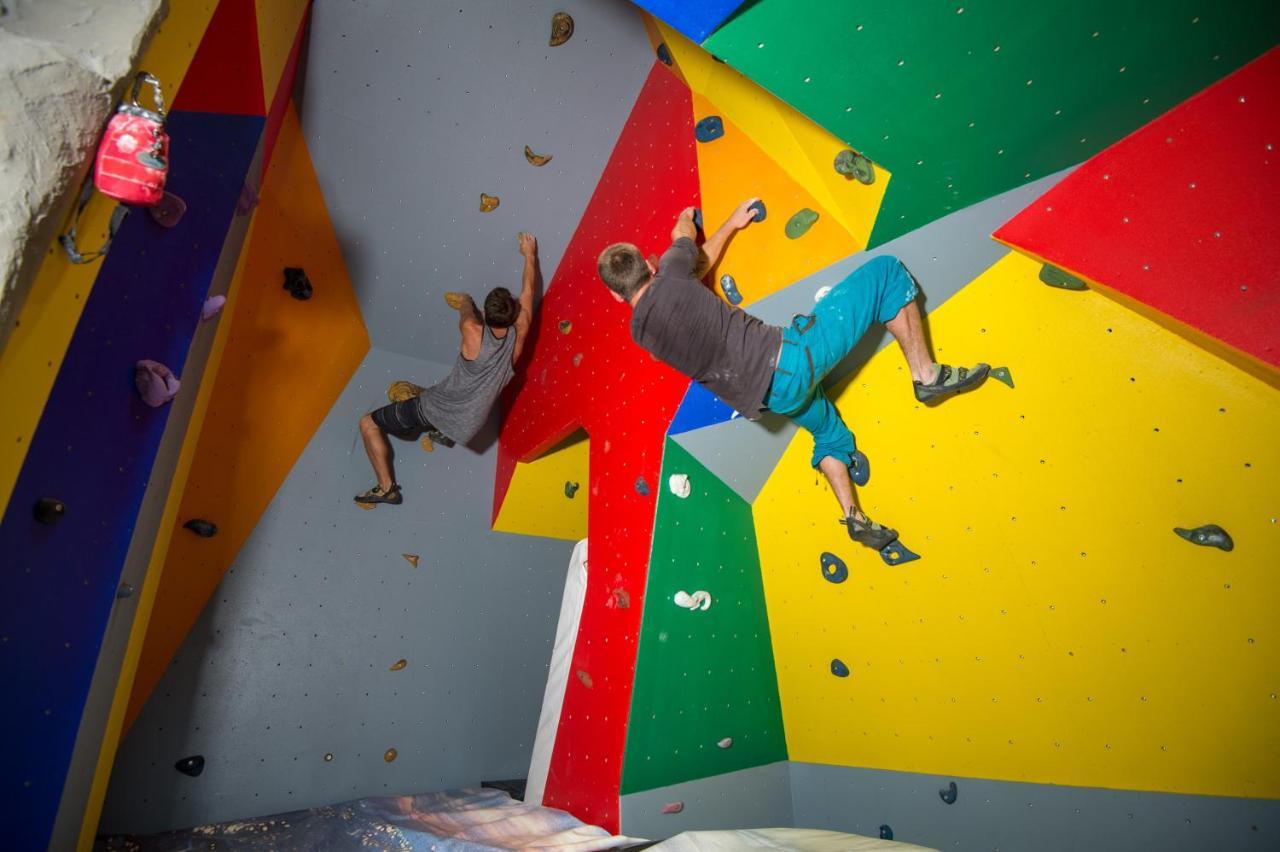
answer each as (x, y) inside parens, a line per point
(642, 487)
(1002, 374)
(697, 218)
(833, 568)
(1055, 277)
(718, 59)
(297, 283)
(192, 765)
(860, 468)
(799, 224)
(570, 489)
(664, 55)
(948, 795)
(886, 832)
(838, 668)
(854, 166)
(201, 527)
(709, 129)
(124, 590)
(49, 510)
(730, 288)
(1209, 535)
(761, 212)
(897, 553)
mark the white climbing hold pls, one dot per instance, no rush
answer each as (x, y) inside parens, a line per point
(822, 291)
(679, 485)
(725, 743)
(698, 600)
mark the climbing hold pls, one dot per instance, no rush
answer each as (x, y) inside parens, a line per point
(427, 444)
(886, 832)
(168, 210)
(328, 757)
(124, 591)
(761, 213)
(697, 218)
(455, 300)
(822, 291)
(49, 510)
(642, 487)
(155, 382)
(577, 359)
(192, 765)
(799, 224)
(1002, 374)
(860, 468)
(679, 485)
(297, 283)
(699, 600)
(489, 203)
(619, 599)
(833, 568)
(897, 553)
(853, 166)
(212, 307)
(201, 527)
(838, 668)
(709, 129)
(390, 755)
(1209, 535)
(561, 29)
(585, 679)
(1055, 277)
(536, 159)
(948, 795)
(248, 199)
(664, 55)
(673, 807)
(725, 743)
(368, 507)
(565, 326)
(570, 489)
(398, 665)
(730, 288)
(411, 558)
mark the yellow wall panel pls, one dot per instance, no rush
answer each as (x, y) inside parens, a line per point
(1055, 629)
(536, 504)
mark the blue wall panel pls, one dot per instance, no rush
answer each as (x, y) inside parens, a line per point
(699, 408)
(695, 20)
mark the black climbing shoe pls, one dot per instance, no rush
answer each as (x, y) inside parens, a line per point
(951, 380)
(869, 533)
(376, 495)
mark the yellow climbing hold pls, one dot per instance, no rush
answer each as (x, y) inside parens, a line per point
(536, 159)
(398, 665)
(489, 203)
(390, 755)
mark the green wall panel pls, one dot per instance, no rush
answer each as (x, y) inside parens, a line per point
(963, 100)
(706, 675)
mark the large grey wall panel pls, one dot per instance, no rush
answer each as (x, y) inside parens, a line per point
(289, 662)
(412, 109)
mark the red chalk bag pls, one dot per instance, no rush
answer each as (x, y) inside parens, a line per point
(133, 158)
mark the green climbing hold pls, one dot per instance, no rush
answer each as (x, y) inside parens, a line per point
(570, 489)
(854, 166)
(1055, 277)
(1209, 535)
(1002, 374)
(799, 224)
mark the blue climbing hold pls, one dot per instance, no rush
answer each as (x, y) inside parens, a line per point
(730, 288)
(860, 468)
(709, 129)
(664, 55)
(1209, 535)
(833, 568)
(697, 218)
(838, 668)
(886, 832)
(948, 795)
(897, 553)
(642, 487)
(761, 212)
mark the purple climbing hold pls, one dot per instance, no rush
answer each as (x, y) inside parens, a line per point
(192, 765)
(709, 129)
(168, 210)
(761, 212)
(248, 199)
(838, 668)
(156, 383)
(212, 307)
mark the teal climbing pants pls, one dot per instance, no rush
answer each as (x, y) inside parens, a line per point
(815, 343)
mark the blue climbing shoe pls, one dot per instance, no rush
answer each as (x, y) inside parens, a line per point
(951, 380)
(867, 532)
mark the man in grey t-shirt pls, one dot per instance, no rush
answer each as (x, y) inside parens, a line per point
(753, 366)
(456, 407)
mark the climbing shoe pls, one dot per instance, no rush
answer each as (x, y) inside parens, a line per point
(869, 533)
(951, 380)
(376, 495)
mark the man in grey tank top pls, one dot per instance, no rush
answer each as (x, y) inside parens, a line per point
(754, 367)
(456, 408)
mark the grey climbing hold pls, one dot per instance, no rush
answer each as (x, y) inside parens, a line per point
(886, 832)
(570, 489)
(697, 218)
(799, 224)
(854, 166)
(838, 668)
(761, 212)
(192, 765)
(664, 55)
(1055, 277)
(201, 527)
(49, 510)
(897, 553)
(642, 487)
(860, 468)
(730, 288)
(709, 129)
(833, 568)
(1002, 374)
(948, 795)
(1209, 535)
